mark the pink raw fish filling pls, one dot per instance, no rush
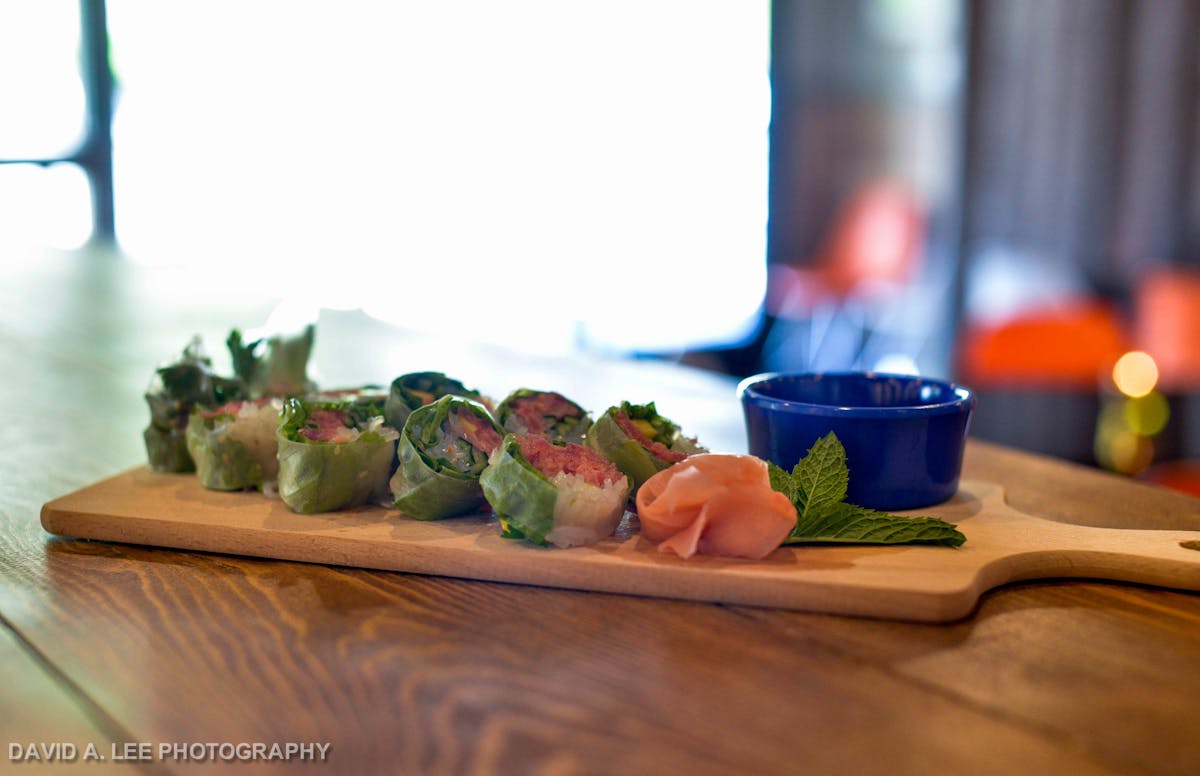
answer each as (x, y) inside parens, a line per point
(325, 425)
(533, 409)
(715, 504)
(551, 459)
(657, 449)
(233, 407)
(478, 433)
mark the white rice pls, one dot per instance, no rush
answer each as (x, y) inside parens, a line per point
(376, 424)
(254, 429)
(584, 513)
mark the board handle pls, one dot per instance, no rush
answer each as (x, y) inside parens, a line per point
(1040, 549)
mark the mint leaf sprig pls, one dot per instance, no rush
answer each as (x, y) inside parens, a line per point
(817, 486)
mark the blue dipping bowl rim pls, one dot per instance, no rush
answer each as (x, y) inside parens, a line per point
(964, 397)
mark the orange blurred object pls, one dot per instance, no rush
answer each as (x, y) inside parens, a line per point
(875, 243)
(1072, 345)
(1183, 476)
(876, 238)
(1167, 325)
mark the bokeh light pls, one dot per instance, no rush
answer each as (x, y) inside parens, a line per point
(1147, 415)
(1135, 374)
(1131, 453)
(897, 364)
(1119, 448)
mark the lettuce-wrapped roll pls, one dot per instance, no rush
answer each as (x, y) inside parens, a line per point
(639, 441)
(333, 455)
(234, 446)
(166, 449)
(174, 391)
(443, 449)
(526, 412)
(368, 399)
(416, 389)
(563, 495)
(273, 364)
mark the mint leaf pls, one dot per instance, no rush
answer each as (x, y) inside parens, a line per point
(850, 524)
(820, 478)
(782, 481)
(817, 487)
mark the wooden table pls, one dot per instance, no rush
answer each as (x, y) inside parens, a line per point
(111, 644)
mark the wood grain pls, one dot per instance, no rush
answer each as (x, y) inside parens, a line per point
(1072, 493)
(51, 724)
(423, 674)
(451, 676)
(1062, 658)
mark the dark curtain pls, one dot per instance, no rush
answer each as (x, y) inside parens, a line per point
(1082, 151)
(864, 92)
(1072, 138)
(1081, 136)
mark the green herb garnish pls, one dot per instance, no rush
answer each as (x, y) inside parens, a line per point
(817, 486)
(273, 365)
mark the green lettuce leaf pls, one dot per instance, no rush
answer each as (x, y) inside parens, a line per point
(323, 476)
(174, 391)
(232, 452)
(416, 389)
(628, 454)
(166, 450)
(546, 509)
(438, 472)
(521, 496)
(275, 364)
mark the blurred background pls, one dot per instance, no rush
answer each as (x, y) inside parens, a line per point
(998, 191)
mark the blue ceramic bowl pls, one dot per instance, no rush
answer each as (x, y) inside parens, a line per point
(904, 435)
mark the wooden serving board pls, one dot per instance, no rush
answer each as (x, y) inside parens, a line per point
(931, 584)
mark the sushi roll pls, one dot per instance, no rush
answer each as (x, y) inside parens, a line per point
(560, 495)
(639, 441)
(443, 449)
(526, 412)
(174, 391)
(234, 446)
(334, 454)
(416, 389)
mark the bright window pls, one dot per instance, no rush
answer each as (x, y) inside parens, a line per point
(41, 117)
(545, 174)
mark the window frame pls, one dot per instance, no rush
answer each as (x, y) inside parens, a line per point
(93, 155)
